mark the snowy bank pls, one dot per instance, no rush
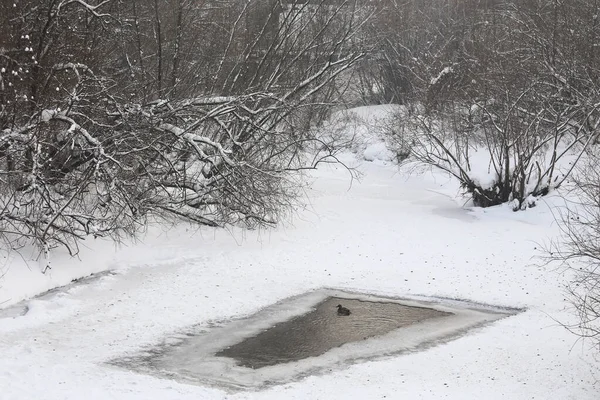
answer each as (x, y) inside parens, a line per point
(389, 234)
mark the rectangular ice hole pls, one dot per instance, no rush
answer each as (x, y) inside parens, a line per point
(303, 335)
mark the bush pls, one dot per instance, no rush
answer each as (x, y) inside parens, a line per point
(579, 249)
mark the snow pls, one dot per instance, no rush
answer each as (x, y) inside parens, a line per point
(191, 357)
(389, 234)
(363, 130)
(378, 151)
(443, 73)
(47, 114)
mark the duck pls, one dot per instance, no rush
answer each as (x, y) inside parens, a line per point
(342, 310)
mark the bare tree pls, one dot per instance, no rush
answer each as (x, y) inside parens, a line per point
(98, 132)
(579, 249)
(501, 79)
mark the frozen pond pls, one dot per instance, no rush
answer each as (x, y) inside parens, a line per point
(304, 335)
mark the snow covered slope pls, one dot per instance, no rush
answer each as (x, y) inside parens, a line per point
(389, 234)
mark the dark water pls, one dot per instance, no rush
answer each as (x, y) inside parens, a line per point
(322, 329)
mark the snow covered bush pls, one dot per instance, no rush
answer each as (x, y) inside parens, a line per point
(510, 113)
(368, 132)
(398, 134)
(100, 132)
(579, 249)
(510, 152)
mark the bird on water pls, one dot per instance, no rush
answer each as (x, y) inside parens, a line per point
(342, 310)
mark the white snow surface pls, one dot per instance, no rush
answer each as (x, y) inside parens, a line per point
(364, 130)
(378, 151)
(389, 234)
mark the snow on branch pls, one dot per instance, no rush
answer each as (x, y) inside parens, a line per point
(92, 9)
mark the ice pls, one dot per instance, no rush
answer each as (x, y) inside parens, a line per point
(193, 359)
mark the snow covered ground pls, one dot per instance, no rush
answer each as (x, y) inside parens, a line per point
(389, 234)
